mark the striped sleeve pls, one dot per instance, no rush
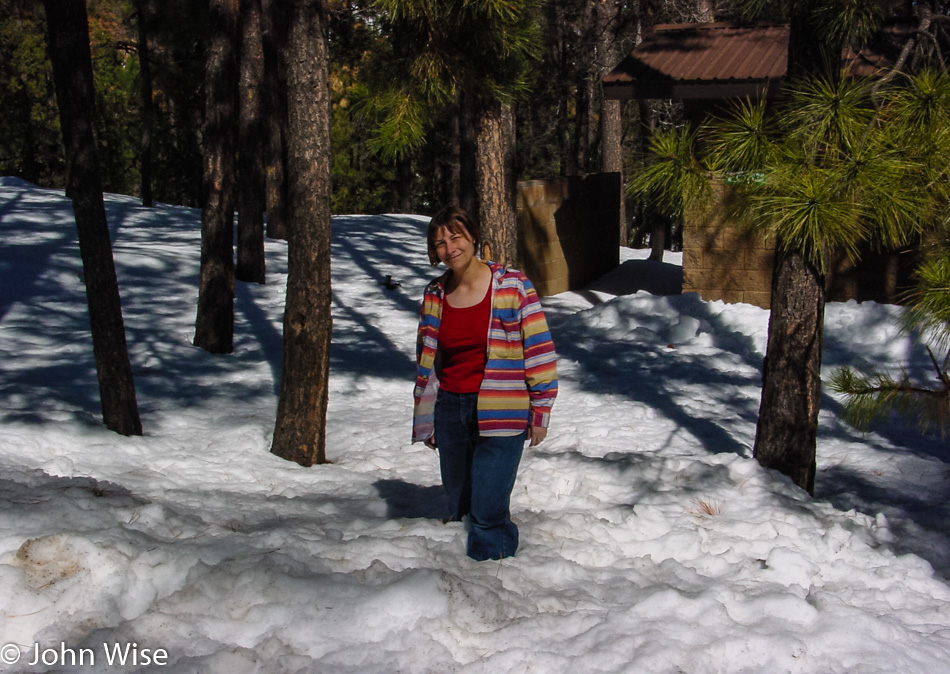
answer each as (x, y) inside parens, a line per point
(540, 359)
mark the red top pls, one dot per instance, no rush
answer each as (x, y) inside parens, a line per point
(463, 342)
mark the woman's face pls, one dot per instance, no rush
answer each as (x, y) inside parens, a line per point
(455, 250)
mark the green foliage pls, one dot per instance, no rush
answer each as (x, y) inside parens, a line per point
(873, 396)
(30, 145)
(30, 140)
(835, 22)
(675, 177)
(433, 51)
(828, 118)
(743, 141)
(929, 306)
(361, 182)
(840, 164)
(403, 120)
(118, 123)
(846, 21)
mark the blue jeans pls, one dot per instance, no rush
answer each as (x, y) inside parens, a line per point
(478, 474)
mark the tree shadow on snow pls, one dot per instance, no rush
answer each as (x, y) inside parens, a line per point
(36, 498)
(47, 229)
(653, 370)
(918, 522)
(363, 304)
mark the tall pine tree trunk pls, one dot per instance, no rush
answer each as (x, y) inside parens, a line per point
(611, 122)
(467, 189)
(250, 241)
(148, 109)
(300, 430)
(214, 325)
(68, 28)
(580, 141)
(787, 428)
(275, 111)
(404, 180)
(652, 220)
(494, 180)
(445, 175)
(611, 137)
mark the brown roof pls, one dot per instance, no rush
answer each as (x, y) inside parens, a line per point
(701, 60)
(712, 60)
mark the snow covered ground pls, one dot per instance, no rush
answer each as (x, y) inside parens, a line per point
(651, 540)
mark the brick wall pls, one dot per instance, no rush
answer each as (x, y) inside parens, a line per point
(721, 261)
(568, 230)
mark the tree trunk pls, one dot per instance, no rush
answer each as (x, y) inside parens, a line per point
(275, 110)
(612, 157)
(560, 34)
(580, 145)
(658, 224)
(445, 174)
(787, 429)
(404, 184)
(214, 325)
(611, 121)
(250, 242)
(652, 220)
(467, 190)
(148, 109)
(300, 430)
(68, 28)
(494, 180)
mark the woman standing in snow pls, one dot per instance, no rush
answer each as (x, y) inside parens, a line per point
(486, 380)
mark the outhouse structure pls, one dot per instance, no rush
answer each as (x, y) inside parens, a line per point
(705, 65)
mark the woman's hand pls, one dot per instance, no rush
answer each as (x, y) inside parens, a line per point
(536, 434)
(430, 442)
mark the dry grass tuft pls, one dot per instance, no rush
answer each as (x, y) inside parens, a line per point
(703, 508)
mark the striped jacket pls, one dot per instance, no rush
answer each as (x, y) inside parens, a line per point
(520, 381)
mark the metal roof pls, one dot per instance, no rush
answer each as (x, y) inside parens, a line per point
(712, 60)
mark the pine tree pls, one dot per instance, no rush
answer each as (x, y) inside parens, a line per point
(448, 51)
(922, 113)
(873, 395)
(251, 196)
(72, 67)
(300, 430)
(838, 163)
(148, 107)
(274, 46)
(214, 324)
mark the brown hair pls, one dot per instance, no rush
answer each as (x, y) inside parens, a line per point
(455, 220)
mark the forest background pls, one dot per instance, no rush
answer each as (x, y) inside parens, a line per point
(558, 118)
(414, 86)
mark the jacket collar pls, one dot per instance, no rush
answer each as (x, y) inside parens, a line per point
(498, 270)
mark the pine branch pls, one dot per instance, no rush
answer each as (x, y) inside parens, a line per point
(941, 373)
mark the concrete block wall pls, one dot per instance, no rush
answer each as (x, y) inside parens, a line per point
(568, 230)
(721, 261)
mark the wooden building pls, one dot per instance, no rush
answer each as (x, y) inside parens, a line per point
(705, 65)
